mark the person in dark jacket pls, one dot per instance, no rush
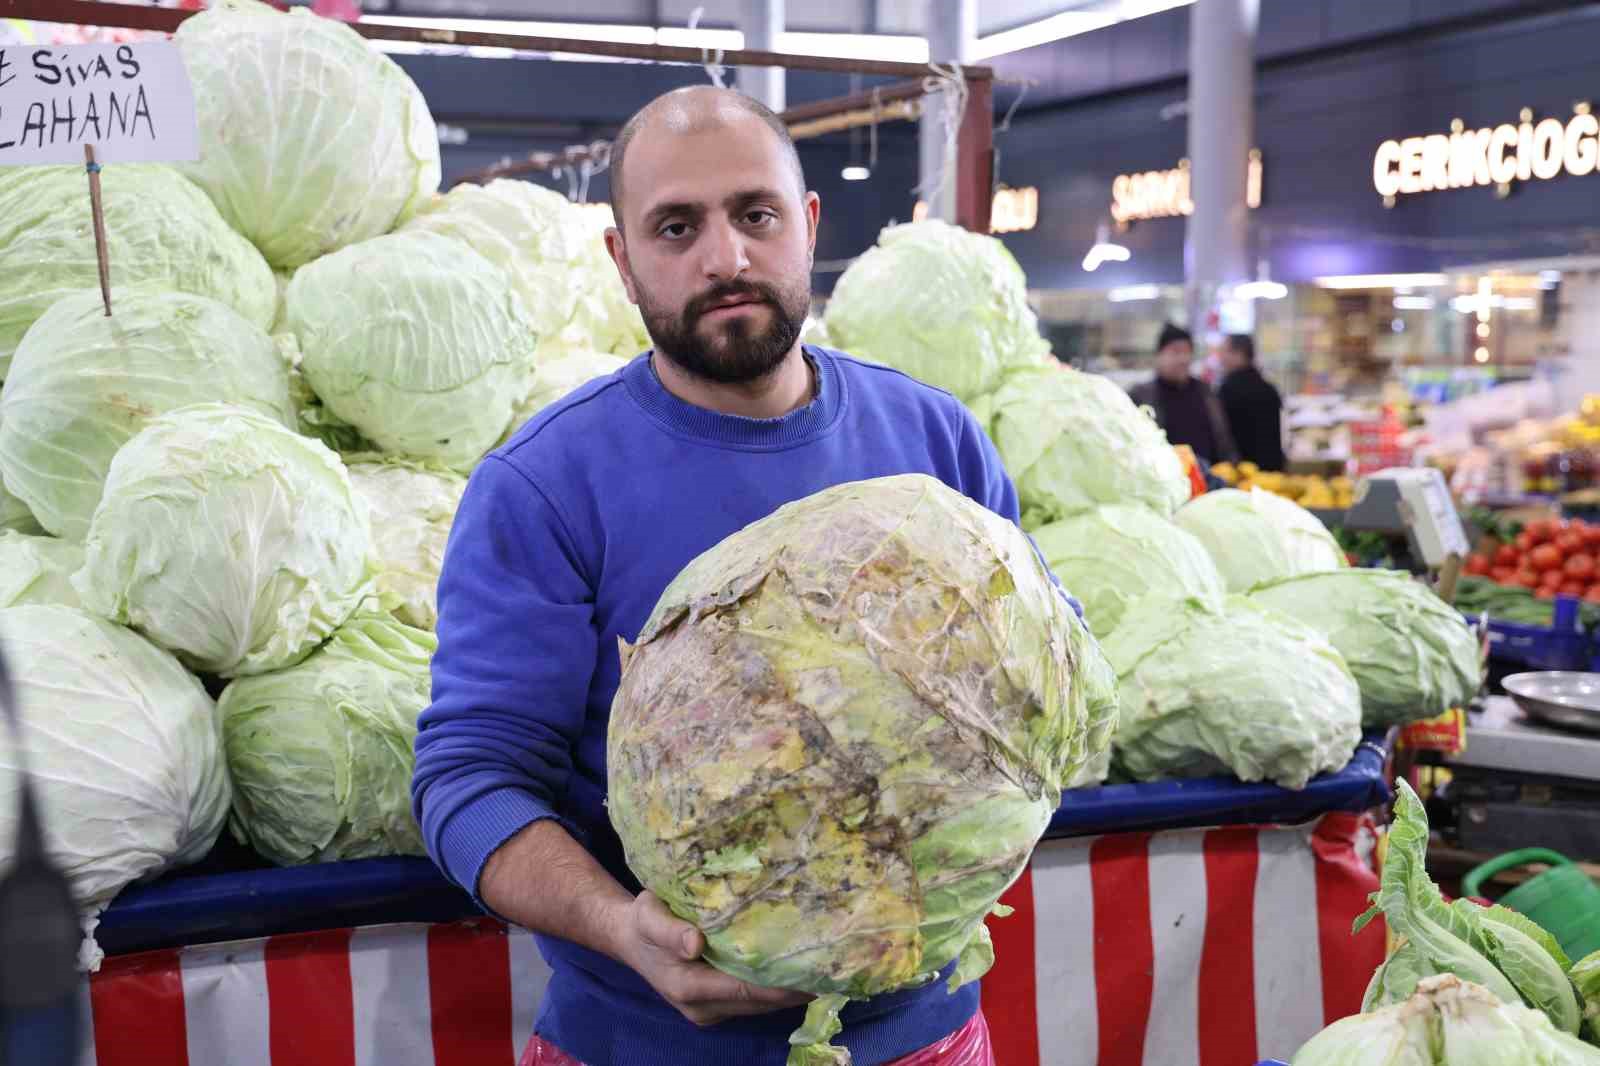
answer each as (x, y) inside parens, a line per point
(1184, 405)
(1254, 407)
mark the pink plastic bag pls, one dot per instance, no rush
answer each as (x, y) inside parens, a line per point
(967, 1046)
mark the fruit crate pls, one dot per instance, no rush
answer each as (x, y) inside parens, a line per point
(1563, 645)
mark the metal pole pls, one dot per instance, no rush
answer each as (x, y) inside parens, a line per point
(1222, 38)
(952, 30)
(762, 21)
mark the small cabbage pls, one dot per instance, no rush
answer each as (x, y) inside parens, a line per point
(841, 733)
(228, 539)
(1073, 441)
(415, 340)
(125, 751)
(38, 569)
(82, 384)
(1236, 688)
(554, 379)
(1411, 653)
(946, 306)
(321, 753)
(1256, 537)
(160, 229)
(1116, 555)
(310, 139)
(411, 507)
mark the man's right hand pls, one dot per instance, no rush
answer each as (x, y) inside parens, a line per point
(665, 951)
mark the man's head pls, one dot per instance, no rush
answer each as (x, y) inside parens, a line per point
(1238, 352)
(715, 231)
(1174, 354)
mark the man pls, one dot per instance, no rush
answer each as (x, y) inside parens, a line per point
(1184, 405)
(566, 538)
(1254, 407)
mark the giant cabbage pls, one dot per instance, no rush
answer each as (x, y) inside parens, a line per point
(1447, 1022)
(415, 340)
(83, 383)
(1115, 555)
(411, 508)
(38, 569)
(552, 380)
(321, 752)
(842, 731)
(160, 228)
(1256, 537)
(1073, 441)
(1411, 653)
(310, 139)
(946, 306)
(227, 539)
(1237, 688)
(124, 747)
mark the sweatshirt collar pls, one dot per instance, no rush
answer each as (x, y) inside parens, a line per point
(736, 431)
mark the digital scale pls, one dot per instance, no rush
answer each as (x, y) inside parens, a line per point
(1414, 503)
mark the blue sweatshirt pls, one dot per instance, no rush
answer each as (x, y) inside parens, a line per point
(564, 541)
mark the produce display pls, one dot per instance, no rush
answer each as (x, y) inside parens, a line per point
(1513, 603)
(1411, 653)
(321, 752)
(947, 306)
(125, 747)
(1549, 558)
(411, 507)
(82, 384)
(1256, 537)
(874, 689)
(38, 570)
(1310, 491)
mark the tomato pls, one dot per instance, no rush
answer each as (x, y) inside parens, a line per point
(1544, 594)
(1573, 588)
(1545, 557)
(1570, 542)
(1593, 595)
(1591, 537)
(1537, 532)
(1506, 555)
(1580, 567)
(1526, 541)
(1528, 579)
(1477, 565)
(1503, 575)
(1551, 579)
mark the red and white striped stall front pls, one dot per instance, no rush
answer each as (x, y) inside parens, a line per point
(1193, 947)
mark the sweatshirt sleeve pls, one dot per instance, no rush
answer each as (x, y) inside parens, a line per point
(495, 747)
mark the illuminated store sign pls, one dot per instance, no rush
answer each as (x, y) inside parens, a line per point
(1012, 211)
(1165, 193)
(1497, 156)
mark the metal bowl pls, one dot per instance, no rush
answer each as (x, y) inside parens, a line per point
(1558, 697)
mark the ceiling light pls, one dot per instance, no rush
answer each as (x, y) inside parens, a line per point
(1055, 28)
(1263, 288)
(889, 48)
(1134, 293)
(1382, 281)
(1104, 251)
(1484, 330)
(855, 173)
(1413, 303)
(1481, 355)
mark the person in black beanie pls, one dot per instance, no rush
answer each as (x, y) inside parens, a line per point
(1253, 405)
(1184, 405)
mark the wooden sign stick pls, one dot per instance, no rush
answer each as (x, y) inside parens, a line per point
(99, 225)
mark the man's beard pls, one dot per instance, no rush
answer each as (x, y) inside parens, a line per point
(738, 350)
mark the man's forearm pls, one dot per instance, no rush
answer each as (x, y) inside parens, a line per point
(544, 880)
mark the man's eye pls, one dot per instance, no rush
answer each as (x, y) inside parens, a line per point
(675, 230)
(760, 218)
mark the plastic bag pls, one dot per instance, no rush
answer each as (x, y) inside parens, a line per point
(967, 1046)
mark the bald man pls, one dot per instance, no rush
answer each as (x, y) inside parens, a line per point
(568, 535)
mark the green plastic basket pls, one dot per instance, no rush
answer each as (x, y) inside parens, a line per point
(1563, 900)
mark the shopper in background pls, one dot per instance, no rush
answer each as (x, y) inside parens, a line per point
(1184, 405)
(1254, 407)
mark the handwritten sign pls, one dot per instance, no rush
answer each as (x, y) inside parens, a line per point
(131, 102)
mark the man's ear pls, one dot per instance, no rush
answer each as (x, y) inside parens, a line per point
(813, 216)
(618, 247)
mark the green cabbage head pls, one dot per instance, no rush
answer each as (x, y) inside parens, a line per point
(1073, 441)
(1115, 555)
(310, 139)
(124, 747)
(1230, 688)
(604, 319)
(841, 733)
(14, 514)
(411, 508)
(554, 378)
(160, 229)
(1256, 537)
(947, 306)
(82, 384)
(321, 752)
(1411, 653)
(38, 569)
(227, 539)
(416, 341)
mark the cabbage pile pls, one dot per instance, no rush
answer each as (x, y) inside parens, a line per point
(1256, 537)
(125, 749)
(947, 306)
(553, 379)
(1229, 687)
(411, 508)
(321, 752)
(38, 570)
(1411, 653)
(840, 734)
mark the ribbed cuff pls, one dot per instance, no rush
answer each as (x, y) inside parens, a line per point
(477, 829)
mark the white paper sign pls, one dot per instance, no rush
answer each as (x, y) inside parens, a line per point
(133, 102)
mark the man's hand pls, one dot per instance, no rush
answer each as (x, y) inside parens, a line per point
(665, 951)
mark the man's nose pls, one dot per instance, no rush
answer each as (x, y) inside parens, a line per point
(725, 254)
